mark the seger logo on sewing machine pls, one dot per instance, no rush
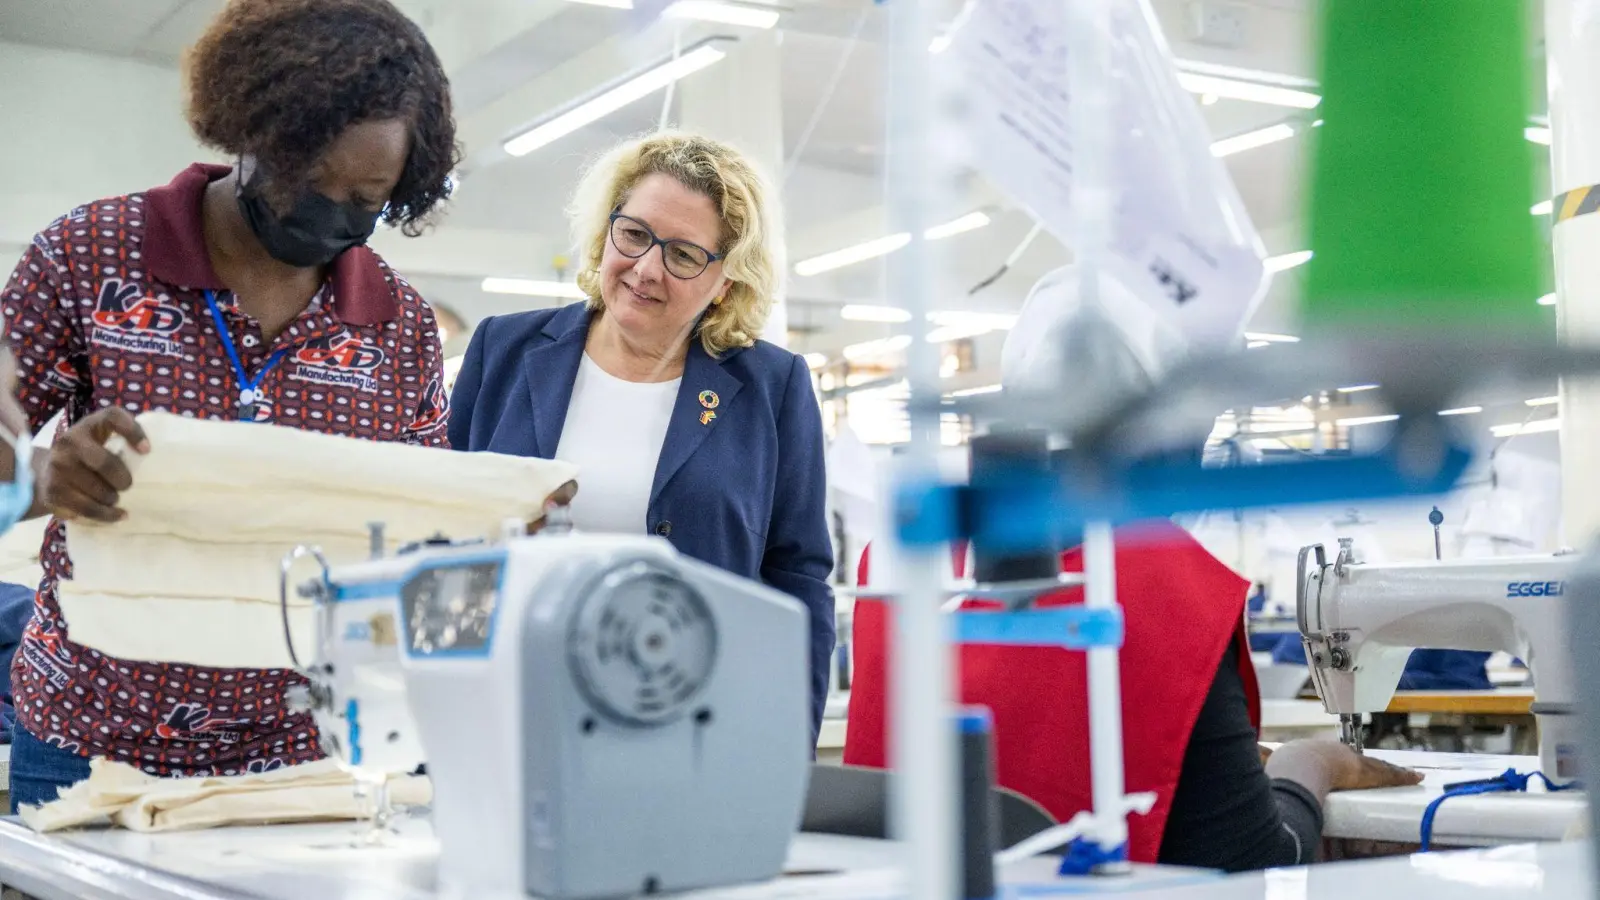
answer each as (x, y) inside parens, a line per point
(1536, 588)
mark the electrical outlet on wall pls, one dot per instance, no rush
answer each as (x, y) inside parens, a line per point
(1216, 23)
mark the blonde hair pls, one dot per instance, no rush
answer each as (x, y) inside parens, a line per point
(750, 243)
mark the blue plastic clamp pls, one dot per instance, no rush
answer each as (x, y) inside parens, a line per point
(1083, 856)
(1072, 627)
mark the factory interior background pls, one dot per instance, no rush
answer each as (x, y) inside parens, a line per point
(801, 89)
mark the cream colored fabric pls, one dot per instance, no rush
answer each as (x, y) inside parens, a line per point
(191, 576)
(128, 798)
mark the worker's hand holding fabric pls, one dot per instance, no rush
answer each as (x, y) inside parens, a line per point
(82, 478)
(1322, 766)
(561, 497)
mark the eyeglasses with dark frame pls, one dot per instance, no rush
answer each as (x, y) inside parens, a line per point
(634, 239)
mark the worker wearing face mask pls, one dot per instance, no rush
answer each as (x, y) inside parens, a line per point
(1190, 708)
(242, 293)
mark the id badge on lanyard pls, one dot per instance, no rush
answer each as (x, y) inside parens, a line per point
(249, 388)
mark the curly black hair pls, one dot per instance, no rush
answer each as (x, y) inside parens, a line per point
(282, 79)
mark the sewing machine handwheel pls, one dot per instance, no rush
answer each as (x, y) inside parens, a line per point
(643, 645)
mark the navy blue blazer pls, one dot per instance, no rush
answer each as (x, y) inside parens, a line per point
(744, 492)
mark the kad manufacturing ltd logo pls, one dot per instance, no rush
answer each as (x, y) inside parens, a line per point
(193, 722)
(128, 320)
(341, 360)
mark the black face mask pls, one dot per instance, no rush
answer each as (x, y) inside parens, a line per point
(313, 233)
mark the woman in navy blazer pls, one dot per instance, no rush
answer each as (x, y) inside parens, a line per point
(682, 423)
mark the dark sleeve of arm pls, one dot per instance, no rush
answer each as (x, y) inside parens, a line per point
(469, 380)
(1226, 813)
(799, 553)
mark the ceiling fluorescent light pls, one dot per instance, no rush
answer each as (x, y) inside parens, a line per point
(1364, 420)
(1356, 389)
(1548, 300)
(723, 13)
(620, 93)
(1539, 134)
(705, 11)
(1237, 73)
(955, 326)
(1543, 401)
(976, 391)
(879, 348)
(1255, 92)
(947, 333)
(990, 321)
(530, 288)
(1540, 427)
(1542, 208)
(1257, 345)
(969, 222)
(849, 256)
(1285, 261)
(859, 312)
(1251, 140)
(1463, 411)
(883, 246)
(1271, 338)
(1276, 427)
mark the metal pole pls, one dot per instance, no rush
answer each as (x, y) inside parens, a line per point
(1572, 28)
(1090, 115)
(1105, 701)
(926, 786)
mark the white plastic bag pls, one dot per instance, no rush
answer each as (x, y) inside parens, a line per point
(1179, 237)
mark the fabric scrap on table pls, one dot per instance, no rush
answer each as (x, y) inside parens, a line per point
(123, 796)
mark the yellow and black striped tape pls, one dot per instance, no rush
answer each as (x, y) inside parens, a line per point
(1576, 202)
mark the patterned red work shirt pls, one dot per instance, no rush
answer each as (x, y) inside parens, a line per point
(107, 307)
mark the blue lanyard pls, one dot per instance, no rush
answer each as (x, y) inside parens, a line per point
(248, 387)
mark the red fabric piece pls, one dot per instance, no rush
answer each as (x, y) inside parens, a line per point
(1181, 608)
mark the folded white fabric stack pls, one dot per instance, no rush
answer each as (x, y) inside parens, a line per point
(191, 575)
(125, 797)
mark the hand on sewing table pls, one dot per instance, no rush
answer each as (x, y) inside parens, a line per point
(1322, 766)
(80, 478)
(561, 497)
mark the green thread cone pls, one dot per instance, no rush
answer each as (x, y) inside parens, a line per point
(1422, 179)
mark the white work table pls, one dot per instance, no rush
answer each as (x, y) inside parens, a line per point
(294, 862)
(1395, 814)
(316, 861)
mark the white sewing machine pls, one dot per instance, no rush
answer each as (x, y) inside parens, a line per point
(1360, 623)
(599, 715)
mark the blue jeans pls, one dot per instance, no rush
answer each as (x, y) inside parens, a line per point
(40, 770)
